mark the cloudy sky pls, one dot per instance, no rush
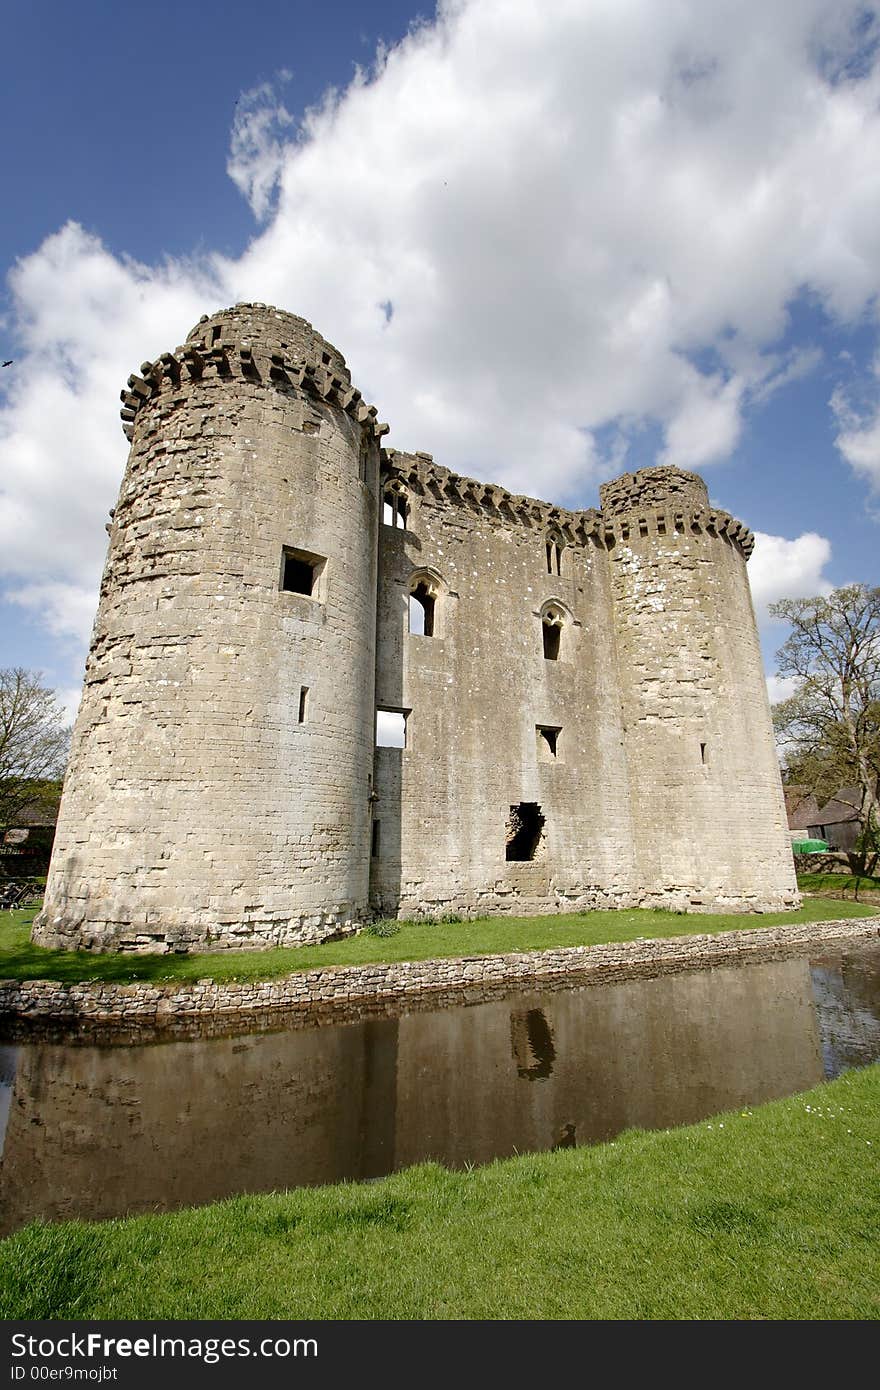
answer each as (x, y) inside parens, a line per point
(555, 240)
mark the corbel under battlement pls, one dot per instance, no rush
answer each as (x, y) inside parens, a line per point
(227, 359)
(422, 476)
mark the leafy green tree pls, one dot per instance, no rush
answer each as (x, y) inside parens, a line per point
(34, 742)
(829, 728)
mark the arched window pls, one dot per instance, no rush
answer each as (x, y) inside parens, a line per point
(552, 623)
(395, 506)
(554, 554)
(421, 610)
(426, 589)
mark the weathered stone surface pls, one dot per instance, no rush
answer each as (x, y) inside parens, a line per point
(595, 673)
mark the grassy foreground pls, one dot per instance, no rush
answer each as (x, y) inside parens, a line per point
(20, 960)
(771, 1213)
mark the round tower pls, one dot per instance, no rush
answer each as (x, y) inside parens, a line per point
(709, 823)
(218, 792)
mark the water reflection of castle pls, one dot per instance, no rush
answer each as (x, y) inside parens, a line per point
(100, 1131)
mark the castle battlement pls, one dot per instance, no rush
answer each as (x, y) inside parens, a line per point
(328, 679)
(654, 501)
(257, 343)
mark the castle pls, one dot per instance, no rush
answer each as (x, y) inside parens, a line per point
(570, 705)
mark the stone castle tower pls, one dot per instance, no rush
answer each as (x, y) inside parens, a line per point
(575, 700)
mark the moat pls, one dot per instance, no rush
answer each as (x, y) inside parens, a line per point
(101, 1130)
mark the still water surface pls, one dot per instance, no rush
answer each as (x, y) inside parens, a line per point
(97, 1131)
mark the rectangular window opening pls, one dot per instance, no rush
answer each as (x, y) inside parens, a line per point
(523, 832)
(552, 634)
(558, 550)
(704, 754)
(391, 728)
(303, 703)
(300, 572)
(548, 742)
(375, 840)
(549, 558)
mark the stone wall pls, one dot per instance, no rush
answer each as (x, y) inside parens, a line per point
(661, 787)
(218, 790)
(710, 828)
(478, 692)
(93, 1004)
(97, 1131)
(593, 674)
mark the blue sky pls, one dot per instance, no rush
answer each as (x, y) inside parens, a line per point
(554, 240)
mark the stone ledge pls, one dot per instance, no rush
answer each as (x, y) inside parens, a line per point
(96, 1005)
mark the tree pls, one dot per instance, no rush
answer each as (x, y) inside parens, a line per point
(34, 741)
(830, 726)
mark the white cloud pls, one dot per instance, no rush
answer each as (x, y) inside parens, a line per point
(781, 568)
(256, 148)
(707, 425)
(779, 372)
(86, 319)
(780, 688)
(861, 448)
(858, 438)
(67, 610)
(69, 697)
(521, 227)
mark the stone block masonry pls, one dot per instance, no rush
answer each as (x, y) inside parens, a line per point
(579, 709)
(332, 993)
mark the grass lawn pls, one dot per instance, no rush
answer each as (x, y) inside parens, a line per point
(20, 960)
(772, 1213)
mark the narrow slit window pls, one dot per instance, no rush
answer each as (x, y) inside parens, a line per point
(552, 633)
(300, 572)
(390, 728)
(523, 832)
(554, 557)
(704, 754)
(422, 604)
(376, 840)
(303, 703)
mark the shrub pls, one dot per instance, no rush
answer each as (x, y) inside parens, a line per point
(383, 926)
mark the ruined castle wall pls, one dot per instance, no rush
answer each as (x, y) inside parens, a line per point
(709, 821)
(223, 788)
(209, 801)
(476, 692)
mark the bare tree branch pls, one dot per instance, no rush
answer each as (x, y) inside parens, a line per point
(830, 726)
(34, 740)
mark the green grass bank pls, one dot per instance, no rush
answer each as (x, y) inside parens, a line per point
(766, 1213)
(841, 886)
(21, 960)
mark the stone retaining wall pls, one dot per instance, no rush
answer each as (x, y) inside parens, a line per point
(98, 1005)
